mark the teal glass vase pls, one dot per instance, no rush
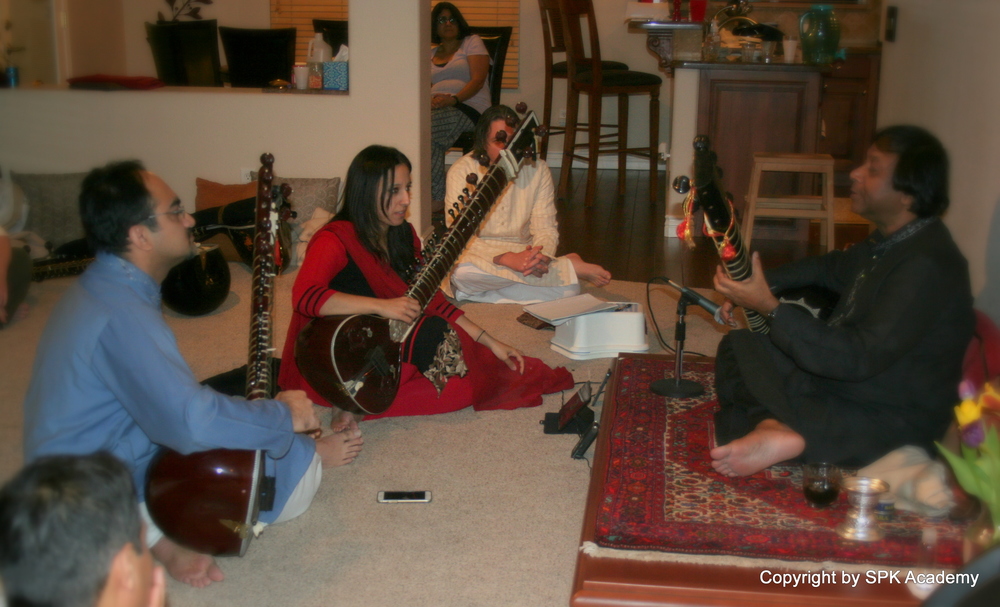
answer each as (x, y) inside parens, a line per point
(819, 34)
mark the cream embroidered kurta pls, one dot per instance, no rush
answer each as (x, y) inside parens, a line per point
(524, 215)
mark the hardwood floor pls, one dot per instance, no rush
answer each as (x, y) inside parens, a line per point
(627, 238)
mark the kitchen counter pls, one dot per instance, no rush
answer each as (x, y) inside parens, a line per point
(779, 66)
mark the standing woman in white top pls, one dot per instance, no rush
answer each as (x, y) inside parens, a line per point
(459, 91)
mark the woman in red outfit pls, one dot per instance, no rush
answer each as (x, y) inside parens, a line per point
(360, 263)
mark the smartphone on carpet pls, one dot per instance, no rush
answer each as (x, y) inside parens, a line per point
(403, 497)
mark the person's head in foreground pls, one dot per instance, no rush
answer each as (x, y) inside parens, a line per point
(71, 536)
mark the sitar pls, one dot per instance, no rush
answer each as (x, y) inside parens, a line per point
(354, 361)
(210, 501)
(723, 228)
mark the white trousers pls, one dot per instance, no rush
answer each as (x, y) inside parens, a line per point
(298, 502)
(469, 283)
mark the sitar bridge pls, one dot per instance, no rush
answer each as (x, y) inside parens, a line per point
(398, 330)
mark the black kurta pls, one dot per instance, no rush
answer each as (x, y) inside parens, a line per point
(883, 371)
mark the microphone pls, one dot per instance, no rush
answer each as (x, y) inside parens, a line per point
(697, 298)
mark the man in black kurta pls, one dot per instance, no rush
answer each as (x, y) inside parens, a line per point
(883, 370)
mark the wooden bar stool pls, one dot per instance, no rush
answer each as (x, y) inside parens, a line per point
(552, 43)
(596, 83)
(792, 206)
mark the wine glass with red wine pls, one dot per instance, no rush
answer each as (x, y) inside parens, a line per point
(820, 484)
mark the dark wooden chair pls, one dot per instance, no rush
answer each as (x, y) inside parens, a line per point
(334, 32)
(552, 43)
(257, 56)
(496, 39)
(596, 82)
(186, 53)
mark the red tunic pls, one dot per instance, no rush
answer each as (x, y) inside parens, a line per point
(488, 384)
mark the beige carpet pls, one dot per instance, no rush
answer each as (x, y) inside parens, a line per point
(504, 524)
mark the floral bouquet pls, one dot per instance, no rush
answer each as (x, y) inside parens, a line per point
(978, 468)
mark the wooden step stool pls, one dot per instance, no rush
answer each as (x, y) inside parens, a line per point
(791, 206)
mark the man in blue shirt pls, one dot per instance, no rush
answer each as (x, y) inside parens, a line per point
(109, 376)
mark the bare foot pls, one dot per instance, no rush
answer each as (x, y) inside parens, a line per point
(591, 272)
(769, 443)
(185, 565)
(338, 449)
(345, 421)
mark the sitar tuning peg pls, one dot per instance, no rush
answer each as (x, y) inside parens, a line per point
(521, 107)
(472, 179)
(501, 136)
(452, 214)
(682, 184)
(456, 206)
(541, 130)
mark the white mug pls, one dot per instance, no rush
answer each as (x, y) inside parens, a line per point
(789, 48)
(301, 77)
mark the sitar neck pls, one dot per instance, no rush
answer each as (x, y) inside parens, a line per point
(260, 379)
(447, 251)
(723, 227)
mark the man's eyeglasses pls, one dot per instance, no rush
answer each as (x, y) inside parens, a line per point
(176, 212)
(443, 20)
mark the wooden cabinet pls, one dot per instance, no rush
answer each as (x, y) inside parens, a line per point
(766, 108)
(848, 108)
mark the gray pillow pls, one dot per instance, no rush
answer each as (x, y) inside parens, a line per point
(53, 204)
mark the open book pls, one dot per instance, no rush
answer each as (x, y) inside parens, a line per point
(559, 311)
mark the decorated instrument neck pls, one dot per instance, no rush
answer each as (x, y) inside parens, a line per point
(447, 251)
(260, 380)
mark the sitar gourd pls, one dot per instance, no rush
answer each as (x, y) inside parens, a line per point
(354, 361)
(209, 501)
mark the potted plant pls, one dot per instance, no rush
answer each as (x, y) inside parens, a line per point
(187, 8)
(977, 469)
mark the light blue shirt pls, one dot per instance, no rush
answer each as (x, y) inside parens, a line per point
(109, 376)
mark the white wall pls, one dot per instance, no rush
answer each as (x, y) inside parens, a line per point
(941, 73)
(182, 134)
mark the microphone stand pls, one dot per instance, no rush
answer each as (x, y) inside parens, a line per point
(678, 387)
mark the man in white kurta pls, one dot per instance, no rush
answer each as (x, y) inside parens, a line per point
(512, 257)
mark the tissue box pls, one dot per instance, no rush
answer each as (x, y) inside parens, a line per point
(602, 334)
(335, 75)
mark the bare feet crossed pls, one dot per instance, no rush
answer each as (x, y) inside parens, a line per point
(345, 421)
(591, 272)
(767, 444)
(184, 565)
(344, 445)
(339, 448)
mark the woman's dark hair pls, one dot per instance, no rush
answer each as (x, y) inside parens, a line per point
(371, 173)
(482, 133)
(922, 168)
(463, 25)
(113, 198)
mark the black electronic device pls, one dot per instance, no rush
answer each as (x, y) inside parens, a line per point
(574, 416)
(403, 497)
(585, 441)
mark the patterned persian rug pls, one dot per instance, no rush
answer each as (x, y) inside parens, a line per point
(661, 492)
